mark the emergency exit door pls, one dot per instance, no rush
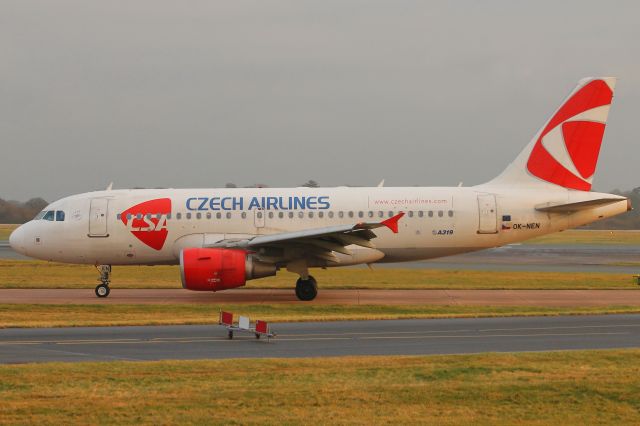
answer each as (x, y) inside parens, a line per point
(258, 218)
(488, 214)
(98, 217)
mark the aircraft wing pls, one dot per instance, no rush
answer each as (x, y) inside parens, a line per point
(317, 242)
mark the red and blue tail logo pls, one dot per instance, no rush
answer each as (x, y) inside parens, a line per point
(566, 152)
(148, 221)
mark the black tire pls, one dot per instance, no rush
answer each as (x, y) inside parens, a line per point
(230, 334)
(102, 290)
(306, 290)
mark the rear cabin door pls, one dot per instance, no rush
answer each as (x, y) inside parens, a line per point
(98, 217)
(488, 214)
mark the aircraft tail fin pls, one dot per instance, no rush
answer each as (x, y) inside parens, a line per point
(565, 150)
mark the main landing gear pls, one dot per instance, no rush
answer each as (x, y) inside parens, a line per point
(306, 289)
(102, 289)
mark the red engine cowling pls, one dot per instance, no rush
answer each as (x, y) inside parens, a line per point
(214, 269)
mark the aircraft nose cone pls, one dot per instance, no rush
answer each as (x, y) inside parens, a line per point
(16, 239)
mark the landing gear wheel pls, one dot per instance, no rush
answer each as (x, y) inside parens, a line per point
(306, 290)
(102, 290)
(230, 334)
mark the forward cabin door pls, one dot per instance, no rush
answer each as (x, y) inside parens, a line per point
(98, 217)
(488, 214)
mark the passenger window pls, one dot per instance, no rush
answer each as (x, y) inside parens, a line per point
(168, 216)
(228, 215)
(48, 215)
(290, 215)
(218, 215)
(420, 213)
(300, 215)
(430, 213)
(440, 213)
(450, 213)
(244, 215)
(259, 214)
(270, 215)
(178, 216)
(320, 214)
(118, 216)
(330, 214)
(208, 215)
(380, 214)
(139, 216)
(280, 215)
(340, 214)
(410, 213)
(360, 214)
(198, 215)
(370, 214)
(148, 215)
(350, 214)
(59, 216)
(310, 215)
(188, 215)
(390, 214)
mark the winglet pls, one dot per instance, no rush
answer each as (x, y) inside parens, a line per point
(392, 222)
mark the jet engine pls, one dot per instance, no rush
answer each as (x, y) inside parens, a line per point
(215, 269)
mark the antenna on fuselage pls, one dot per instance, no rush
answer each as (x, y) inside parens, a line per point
(109, 187)
(381, 184)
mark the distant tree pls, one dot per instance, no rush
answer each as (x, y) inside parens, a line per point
(628, 220)
(230, 185)
(311, 184)
(17, 212)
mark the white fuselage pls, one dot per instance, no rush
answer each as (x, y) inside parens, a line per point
(438, 221)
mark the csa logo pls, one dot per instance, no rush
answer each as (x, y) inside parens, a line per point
(566, 151)
(148, 221)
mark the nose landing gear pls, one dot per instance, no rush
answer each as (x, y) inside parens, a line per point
(102, 290)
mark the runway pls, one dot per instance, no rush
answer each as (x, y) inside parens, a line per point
(548, 298)
(296, 340)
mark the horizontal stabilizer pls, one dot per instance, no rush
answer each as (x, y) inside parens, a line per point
(574, 207)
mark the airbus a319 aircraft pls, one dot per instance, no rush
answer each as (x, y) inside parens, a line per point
(223, 237)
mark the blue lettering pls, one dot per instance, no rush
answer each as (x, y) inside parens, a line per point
(272, 202)
(189, 200)
(238, 203)
(299, 203)
(311, 202)
(324, 202)
(223, 203)
(254, 204)
(214, 203)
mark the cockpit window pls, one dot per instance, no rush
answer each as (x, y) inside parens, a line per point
(59, 216)
(39, 215)
(48, 215)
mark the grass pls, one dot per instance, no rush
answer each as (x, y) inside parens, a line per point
(5, 231)
(38, 274)
(589, 237)
(41, 315)
(578, 387)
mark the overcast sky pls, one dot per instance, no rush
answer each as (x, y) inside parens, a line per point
(201, 93)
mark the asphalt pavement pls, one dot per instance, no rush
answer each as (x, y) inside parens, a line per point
(322, 339)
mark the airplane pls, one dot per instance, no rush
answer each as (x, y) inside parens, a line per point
(221, 238)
